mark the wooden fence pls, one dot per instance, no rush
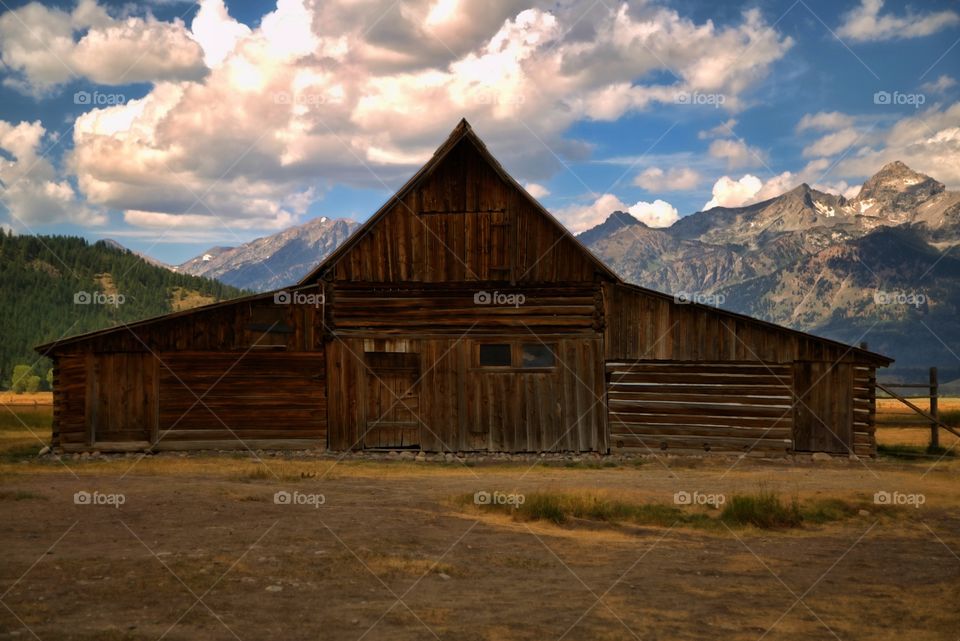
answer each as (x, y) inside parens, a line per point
(931, 393)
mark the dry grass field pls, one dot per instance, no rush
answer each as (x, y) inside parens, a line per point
(197, 547)
(902, 426)
(26, 398)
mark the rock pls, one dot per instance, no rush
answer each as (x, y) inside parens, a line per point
(44, 451)
(864, 513)
(274, 588)
(406, 456)
(820, 456)
(449, 458)
(421, 457)
(854, 457)
(444, 576)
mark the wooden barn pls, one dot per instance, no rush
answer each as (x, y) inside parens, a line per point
(462, 317)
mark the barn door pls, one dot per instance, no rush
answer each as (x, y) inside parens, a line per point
(392, 400)
(823, 413)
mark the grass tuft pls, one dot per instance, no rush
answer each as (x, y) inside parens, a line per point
(763, 510)
(950, 417)
(913, 452)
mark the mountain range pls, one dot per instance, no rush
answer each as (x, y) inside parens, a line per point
(273, 261)
(879, 268)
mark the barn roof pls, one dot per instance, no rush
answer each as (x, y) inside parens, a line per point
(464, 132)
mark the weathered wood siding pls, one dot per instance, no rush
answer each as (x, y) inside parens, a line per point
(463, 407)
(259, 324)
(823, 418)
(257, 365)
(459, 307)
(228, 396)
(700, 406)
(463, 223)
(69, 399)
(164, 400)
(643, 325)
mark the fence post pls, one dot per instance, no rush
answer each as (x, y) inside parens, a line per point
(934, 409)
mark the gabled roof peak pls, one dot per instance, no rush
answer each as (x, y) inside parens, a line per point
(462, 131)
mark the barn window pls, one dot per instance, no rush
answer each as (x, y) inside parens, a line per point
(535, 355)
(495, 355)
(268, 328)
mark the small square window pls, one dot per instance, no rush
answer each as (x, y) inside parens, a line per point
(537, 355)
(495, 355)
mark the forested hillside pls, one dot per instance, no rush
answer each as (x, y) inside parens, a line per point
(55, 286)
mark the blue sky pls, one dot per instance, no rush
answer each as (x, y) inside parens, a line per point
(173, 127)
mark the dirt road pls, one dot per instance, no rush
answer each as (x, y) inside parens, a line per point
(199, 549)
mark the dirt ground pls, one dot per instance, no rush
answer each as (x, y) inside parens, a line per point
(199, 549)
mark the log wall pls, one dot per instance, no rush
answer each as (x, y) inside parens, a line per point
(864, 411)
(685, 406)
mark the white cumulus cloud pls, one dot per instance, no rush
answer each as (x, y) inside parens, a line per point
(32, 190)
(536, 190)
(728, 192)
(318, 95)
(832, 143)
(674, 179)
(865, 23)
(825, 121)
(45, 46)
(579, 218)
(940, 85)
(659, 213)
(736, 153)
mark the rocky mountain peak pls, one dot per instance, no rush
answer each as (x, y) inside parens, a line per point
(273, 261)
(614, 222)
(896, 185)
